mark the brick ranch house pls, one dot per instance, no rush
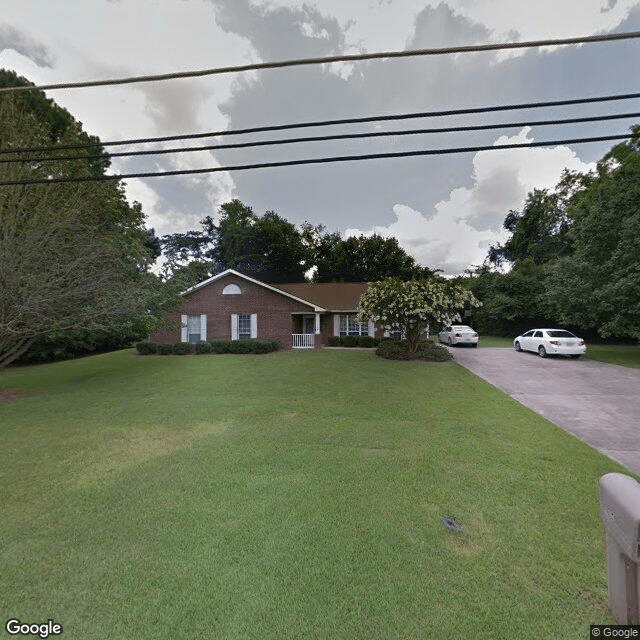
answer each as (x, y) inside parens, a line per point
(304, 315)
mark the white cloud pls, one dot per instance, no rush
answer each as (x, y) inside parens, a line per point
(458, 231)
(545, 18)
(444, 209)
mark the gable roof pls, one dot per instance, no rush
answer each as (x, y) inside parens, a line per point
(325, 296)
(333, 296)
(237, 274)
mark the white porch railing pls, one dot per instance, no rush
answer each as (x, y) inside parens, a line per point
(303, 340)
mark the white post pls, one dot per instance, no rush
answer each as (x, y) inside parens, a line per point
(620, 513)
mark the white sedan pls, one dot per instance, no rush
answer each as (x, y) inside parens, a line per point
(546, 342)
(458, 334)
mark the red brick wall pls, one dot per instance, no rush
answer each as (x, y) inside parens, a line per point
(273, 310)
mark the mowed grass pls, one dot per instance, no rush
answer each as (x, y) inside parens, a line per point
(621, 354)
(495, 341)
(292, 495)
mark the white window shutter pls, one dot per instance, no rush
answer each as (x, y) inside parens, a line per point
(184, 335)
(336, 325)
(203, 327)
(254, 325)
(371, 329)
(234, 326)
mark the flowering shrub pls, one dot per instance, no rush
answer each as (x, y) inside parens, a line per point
(409, 306)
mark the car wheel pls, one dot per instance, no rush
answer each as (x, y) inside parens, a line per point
(575, 356)
(542, 352)
(475, 345)
(518, 347)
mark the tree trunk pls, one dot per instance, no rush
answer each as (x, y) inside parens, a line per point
(7, 357)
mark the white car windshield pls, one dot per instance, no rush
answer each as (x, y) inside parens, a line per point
(462, 327)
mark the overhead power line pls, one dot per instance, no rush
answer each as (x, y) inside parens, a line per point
(342, 136)
(287, 163)
(325, 123)
(329, 59)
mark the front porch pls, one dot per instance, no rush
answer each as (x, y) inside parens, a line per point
(303, 340)
(306, 331)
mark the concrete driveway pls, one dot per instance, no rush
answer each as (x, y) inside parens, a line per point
(598, 403)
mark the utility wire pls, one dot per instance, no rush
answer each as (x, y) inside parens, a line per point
(325, 123)
(328, 59)
(287, 163)
(344, 136)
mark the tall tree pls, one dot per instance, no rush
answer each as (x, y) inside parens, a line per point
(363, 259)
(539, 232)
(512, 302)
(266, 247)
(72, 255)
(573, 252)
(598, 285)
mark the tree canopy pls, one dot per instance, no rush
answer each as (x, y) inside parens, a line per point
(72, 255)
(362, 259)
(270, 248)
(597, 285)
(266, 247)
(573, 253)
(407, 306)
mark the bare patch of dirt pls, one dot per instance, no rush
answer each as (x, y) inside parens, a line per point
(12, 395)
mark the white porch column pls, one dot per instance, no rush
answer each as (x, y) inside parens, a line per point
(317, 323)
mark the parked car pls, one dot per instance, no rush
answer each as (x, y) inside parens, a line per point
(546, 342)
(458, 334)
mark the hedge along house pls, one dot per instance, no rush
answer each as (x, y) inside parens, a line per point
(233, 306)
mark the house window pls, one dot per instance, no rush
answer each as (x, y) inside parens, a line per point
(244, 327)
(194, 328)
(232, 290)
(349, 326)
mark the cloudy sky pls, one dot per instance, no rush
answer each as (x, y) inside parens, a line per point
(445, 210)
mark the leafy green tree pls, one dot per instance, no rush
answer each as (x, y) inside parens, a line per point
(597, 286)
(73, 255)
(540, 232)
(270, 248)
(573, 254)
(408, 305)
(266, 247)
(517, 299)
(363, 259)
(512, 302)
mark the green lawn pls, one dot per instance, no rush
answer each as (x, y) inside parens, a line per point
(495, 341)
(292, 495)
(625, 355)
